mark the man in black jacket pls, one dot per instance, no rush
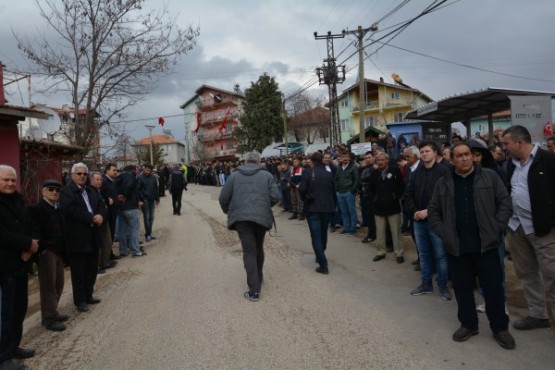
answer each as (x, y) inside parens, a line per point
(128, 216)
(176, 185)
(386, 186)
(416, 198)
(149, 196)
(469, 210)
(17, 245)
(48, 218)
(84, 213)
(109, 192)
(531, 236)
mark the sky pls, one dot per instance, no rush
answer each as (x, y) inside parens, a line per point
(241, 40)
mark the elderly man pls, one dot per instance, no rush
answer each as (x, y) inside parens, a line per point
(531, 236)
(84, 213)
(47, 216)
(247, 198)
(469, 211)
(17, 245)
(104, 261)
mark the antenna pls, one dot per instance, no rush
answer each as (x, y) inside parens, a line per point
(50, 125)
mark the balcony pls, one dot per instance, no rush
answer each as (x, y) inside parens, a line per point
(212, 104)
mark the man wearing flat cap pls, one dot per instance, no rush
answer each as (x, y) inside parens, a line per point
(51, 254)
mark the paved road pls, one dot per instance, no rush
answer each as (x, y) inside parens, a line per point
(181, 307)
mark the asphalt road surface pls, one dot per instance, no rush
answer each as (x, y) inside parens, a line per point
(182, 307)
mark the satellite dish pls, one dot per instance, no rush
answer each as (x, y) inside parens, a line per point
(50, 125)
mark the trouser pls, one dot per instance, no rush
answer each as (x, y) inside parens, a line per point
(84, 267)
(286, 199)
(148, 216)
(318, 223)
(367, 208)
(347, 207)
(51, 284)
(14, 309)
(176, 200)
(487, 267)
(534, 260)
(296, 201)
(106, 248)
(431, 254)
(128, 231)
(252, 242)
(394, 222)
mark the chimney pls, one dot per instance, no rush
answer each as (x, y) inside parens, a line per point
(2, 97)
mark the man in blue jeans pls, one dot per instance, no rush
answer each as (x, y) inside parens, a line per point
(128, 216)
(346, 182)
(430, 247)
(149, 196)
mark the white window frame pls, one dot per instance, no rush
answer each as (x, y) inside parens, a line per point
(344, 125)
(395, 95)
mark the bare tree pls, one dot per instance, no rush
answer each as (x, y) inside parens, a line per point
(308, 118)
(108, 55)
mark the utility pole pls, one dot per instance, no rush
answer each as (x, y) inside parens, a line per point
(150, 127)
(331, 75)
(360, 33)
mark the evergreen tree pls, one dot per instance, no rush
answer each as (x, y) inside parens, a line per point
(261, 122)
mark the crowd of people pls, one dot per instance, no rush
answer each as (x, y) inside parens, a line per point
(75, 224)
(460, 202)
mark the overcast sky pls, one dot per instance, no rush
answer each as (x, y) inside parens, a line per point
(240, 40)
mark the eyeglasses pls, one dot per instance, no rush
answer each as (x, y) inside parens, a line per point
(57, 190)
(81, 173)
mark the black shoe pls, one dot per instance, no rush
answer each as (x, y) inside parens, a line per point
(113, 257)
(378, 257)
(301, 218)
(293, 216)
(462, 334)
(82, 307)
(365, 240)
(62, 318)
(321, 270)
(505, 339)
(123, 255)
(22, 353)
(417, 268)
(252, 296)
(415, 262)
(11, 365)
(93, 300)
(55, 326)
(101, 271)
(111, 264)
(529, 323)
(389, 249)
(400, 259)
(333, 229)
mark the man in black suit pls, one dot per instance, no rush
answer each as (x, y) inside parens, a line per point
(84, 213)
(109, 192)
(48, 218)
(17, 245)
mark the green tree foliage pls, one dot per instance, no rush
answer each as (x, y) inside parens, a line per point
(261, 121)
(158, 154)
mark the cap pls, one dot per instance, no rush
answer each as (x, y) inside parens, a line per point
(475, 143)
(51, 183)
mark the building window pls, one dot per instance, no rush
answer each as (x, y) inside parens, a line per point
(344, 103)
(399, 117)
(344, 124)
(395, 95)
(369, 121)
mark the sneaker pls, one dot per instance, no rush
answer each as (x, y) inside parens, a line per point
(505, 339)
(140, 254)
(252, 296)
(444, 293)
(481, 308)
(529, 323)
(148, 238)
(422, 289)
(463, 334)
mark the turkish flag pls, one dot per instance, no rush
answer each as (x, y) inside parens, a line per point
(548, 130)
(161, 121)
(198, 122)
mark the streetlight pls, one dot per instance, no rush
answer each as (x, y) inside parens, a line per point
(150, 127)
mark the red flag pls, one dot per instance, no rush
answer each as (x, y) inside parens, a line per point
(161, 121)
(548, 130)
(223, 127)
(198, 122)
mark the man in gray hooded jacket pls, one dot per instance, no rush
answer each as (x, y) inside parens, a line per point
(247, 198)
